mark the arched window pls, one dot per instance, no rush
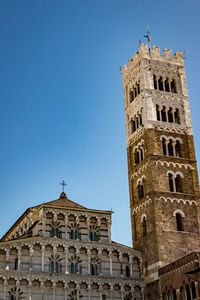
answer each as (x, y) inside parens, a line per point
(138, 88)
(74, 234)
(140, 191)
(133, 126)
(137, 157)
(93, 269)
(178, 184)
(163, 114)
(141, 154)
(160, 84)
(144, 226)
(170, 148)
(174, 295)
(164, 146)
(167, 85)
(177, 116)
(16, 266)
(51, 267)
(193, 291)
(137, 122)
(170, 115)
(182, 294)
(188, 294)
(93, 236)
(173, 86)
(158, 112)
(127, 271)
(73, 268)
(171, 183)
(140, 116)
(155, 82)
(179, 222)
(131, 96)
(178, 149)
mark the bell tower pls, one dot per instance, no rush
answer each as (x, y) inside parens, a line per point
(162, 170)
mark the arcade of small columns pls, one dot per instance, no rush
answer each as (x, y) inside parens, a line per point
(40, 288)
(9, 254)
(66, 219)
(114, 254)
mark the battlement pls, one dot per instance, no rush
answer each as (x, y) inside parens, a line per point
(154, 53)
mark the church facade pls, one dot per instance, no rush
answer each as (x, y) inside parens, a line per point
(61, 250)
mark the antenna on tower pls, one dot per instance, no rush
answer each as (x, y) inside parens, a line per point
(147, 35)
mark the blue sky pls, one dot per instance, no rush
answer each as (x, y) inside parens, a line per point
(62, 113)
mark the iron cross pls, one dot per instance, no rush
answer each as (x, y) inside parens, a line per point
(63, 185)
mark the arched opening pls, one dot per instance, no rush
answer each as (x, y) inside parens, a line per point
(171, 184)
(140, 191)
(137, 157)
(131, 96)
(140, 116)
(137, 122)
(158, 112)
(174, 294)
(133, 126)
(193, 290)
(160, 84)
(170, 148)
(127, 271)
(164, 146)
(74, 234)
(182, 294)
(178, 149)
(178, 184)
(179, 222)
(141, 154)
(188, 294)
(93, 236)
(173, 86)
(177, 116)
(16, 266)
(155, 82)
(170, 115)
(167, 85)
(163, 114)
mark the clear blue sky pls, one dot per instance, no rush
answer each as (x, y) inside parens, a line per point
(62, 112)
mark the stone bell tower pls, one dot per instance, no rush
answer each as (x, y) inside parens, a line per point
(163, 179)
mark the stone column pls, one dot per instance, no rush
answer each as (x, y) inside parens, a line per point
(110, 257)
(19, 258)
(100, 292)
(78, 292)
(54, 291)
(166, 112)
(163, 82)
(54, 259)
(29, 290)
(88, 227)
(89, 258)
(42, 290)
(173, 117)
(66, 261)
(122, 294)
(7, 259)
(17, 289)
(109, 231)
(174, 185)
(132, 293)
(5, 289)
(174, 149)
(31, 251)
(43, 252)
(197, 289)
(121, 265)
(166, 145)
(111, 293)
(66, 227)
(131, 266)
(65, 288)
(89, 292)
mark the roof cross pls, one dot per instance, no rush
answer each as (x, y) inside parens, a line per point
(147, 35)
(63, 185)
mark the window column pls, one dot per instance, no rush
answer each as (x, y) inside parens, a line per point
(66, 261)
(65, 289)
(89, 291)
(31, 251)
(89, 260)
(110, 257)
(19, 258)
(29, 290)
(131, 266)
(167, 149)
(5, 283)
(7, 259)
(54, 291)
(43, 251)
